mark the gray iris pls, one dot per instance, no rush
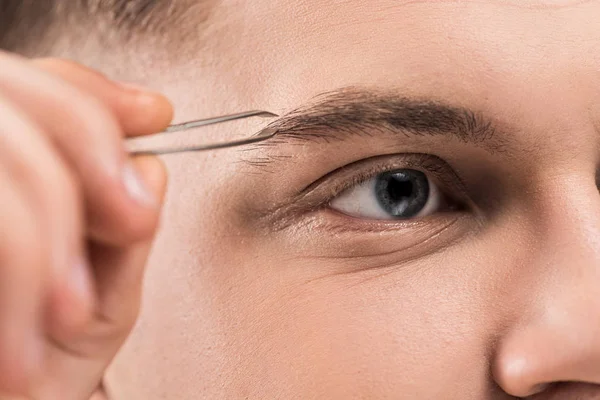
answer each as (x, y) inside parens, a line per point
(402, 193)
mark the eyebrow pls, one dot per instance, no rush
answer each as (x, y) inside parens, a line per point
(347, 112)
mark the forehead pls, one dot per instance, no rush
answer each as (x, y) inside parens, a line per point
(513, 58)
(319, 44)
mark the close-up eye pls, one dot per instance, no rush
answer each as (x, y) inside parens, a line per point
(397, 194)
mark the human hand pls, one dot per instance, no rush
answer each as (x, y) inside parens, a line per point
(77, 219)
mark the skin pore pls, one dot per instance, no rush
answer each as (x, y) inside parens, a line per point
(258, 287)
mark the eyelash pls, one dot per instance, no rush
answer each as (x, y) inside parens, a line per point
(319, 194)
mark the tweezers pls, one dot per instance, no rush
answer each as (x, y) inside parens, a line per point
(259, 137)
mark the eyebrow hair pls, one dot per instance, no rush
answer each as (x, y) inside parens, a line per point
(336, 115)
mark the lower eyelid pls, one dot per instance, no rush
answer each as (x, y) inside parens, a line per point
(390, 243)
(333, 219)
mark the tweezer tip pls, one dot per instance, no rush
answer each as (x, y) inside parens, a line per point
(267, 114)
(266, 133)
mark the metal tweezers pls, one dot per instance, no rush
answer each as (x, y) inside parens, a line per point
(259, 137)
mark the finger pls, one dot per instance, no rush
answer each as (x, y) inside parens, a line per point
(119, 273)
(129, 103)
(21, 282)
(52, 193)
(89, 137)
(44, 256)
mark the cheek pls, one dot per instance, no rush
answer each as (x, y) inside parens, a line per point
(373, 335)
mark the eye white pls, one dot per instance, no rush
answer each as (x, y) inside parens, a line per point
(361, 201)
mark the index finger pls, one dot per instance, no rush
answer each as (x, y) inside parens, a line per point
(140, 112)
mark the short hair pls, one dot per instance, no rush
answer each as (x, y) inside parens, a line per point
(32, 27)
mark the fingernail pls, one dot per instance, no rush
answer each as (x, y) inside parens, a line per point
(136, 188)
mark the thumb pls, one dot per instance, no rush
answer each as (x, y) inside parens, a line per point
(119, 271)
(118, 274)
(114, 283)
(153, 172)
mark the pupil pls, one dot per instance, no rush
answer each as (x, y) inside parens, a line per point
(402, 193)
(399, 190)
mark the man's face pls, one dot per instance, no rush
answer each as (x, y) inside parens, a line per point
(425, 226)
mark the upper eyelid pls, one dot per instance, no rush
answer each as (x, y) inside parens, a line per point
(419, 161)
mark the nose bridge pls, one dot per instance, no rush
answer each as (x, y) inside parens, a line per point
(569, 218)
(569, 259)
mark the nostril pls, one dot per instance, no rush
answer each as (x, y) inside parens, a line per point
(568, 390)
(542, 387)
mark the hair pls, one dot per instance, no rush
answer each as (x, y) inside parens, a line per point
(34, 27)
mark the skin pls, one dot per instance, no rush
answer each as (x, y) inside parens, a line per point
(500, 304)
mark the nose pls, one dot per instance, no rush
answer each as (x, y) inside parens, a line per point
(556, 335)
